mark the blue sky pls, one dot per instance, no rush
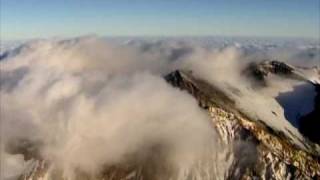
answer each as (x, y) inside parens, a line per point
(23, 19)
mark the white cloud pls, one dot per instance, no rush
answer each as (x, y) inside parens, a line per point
(91, 103)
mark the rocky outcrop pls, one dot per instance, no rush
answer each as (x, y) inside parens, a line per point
(259, 71)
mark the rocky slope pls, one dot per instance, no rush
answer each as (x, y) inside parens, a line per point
(308, 123)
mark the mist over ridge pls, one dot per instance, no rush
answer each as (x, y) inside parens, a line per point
(87, 102)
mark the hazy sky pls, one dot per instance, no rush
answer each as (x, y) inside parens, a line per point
(22, 19)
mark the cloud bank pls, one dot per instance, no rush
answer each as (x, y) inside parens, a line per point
(85, 104)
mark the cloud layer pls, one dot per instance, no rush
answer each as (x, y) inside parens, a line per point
(86, 104)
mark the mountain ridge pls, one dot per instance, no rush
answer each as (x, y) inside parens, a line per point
(259, 151)
(277, 143)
